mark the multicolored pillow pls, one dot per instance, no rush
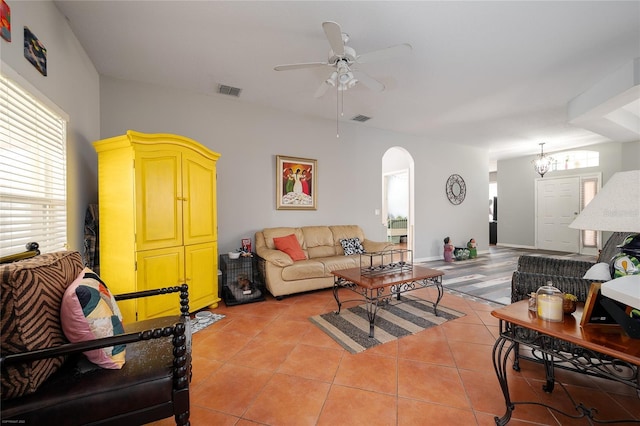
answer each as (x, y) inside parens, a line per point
(89, 311)
(351, 246)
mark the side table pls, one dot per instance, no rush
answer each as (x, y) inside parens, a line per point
(609, 354)
(241, 282)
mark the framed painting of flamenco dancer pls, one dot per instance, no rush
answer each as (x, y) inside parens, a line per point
(296, 183)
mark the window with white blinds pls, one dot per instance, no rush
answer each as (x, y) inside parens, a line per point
(588, 190)
(33, 194)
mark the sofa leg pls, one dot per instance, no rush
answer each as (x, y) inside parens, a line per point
(278, 298)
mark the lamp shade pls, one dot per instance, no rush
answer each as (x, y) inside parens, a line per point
(615, 208)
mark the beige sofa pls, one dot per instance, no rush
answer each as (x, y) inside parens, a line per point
(323, 252)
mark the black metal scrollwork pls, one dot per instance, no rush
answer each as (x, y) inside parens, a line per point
(456, 189)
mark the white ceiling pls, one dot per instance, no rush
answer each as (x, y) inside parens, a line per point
(499, 75)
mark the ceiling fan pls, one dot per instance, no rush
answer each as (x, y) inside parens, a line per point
(343, 59)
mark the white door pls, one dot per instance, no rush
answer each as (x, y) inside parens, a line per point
(558, 204)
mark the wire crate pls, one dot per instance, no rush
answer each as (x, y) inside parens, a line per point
(241, 282)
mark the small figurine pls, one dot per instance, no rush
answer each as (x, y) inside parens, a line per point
(448, 250)
(473, 251)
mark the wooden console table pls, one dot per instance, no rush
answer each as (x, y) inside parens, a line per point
(380, 288)
(607, 353)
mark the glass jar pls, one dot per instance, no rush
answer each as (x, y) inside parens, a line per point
(549, 302)
(533, 306)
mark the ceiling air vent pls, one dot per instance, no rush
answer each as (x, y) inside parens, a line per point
(361, 118)
(228, 90)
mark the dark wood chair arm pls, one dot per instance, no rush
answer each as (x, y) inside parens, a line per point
(176, 329)
(184, 296)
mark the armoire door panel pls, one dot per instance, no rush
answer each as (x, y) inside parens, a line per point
(202, 274)
(158, 200)
(157, 269)
(199, 189)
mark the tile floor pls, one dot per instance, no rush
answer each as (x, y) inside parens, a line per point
(267, 364)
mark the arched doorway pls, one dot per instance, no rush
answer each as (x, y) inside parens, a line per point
(398, 196)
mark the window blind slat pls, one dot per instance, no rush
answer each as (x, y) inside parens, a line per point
(32, 172)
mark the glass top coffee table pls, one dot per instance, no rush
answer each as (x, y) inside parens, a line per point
(378, 289)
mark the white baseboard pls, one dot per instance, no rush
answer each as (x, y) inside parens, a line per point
(516, 246)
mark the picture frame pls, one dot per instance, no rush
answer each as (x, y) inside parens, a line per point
(35, 51)
(594, 314)
(5, 21)
(296, 183)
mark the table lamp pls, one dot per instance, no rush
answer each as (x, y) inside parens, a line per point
(616, 208)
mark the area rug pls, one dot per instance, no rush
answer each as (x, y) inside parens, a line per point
(397, 319)
(198, 324)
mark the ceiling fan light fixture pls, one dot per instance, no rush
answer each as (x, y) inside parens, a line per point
(332, 79)
(346, 77)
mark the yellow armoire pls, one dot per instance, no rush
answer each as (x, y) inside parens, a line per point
(157, 220)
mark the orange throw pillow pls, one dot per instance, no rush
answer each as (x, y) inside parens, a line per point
(291, 246)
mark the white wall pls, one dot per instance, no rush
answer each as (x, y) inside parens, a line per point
(349, 168)
(72, 84)
(516, 188)
(630, 156)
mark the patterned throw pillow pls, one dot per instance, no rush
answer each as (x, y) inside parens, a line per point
(351, 246)
(89, 311)
(30, 295)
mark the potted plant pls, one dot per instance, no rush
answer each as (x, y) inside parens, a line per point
(569, 302)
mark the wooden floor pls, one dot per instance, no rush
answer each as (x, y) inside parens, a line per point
(488, 277)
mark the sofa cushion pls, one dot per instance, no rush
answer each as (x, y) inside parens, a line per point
(351, 246)
(271, 233)
(341, 232)
(89, 311)
(290, 245)
(335, 263)
(304, 269)
(318, 241)
(30, 296)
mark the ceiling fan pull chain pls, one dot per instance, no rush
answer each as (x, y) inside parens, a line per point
(337, 110)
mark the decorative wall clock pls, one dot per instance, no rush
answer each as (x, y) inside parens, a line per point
(456, 189)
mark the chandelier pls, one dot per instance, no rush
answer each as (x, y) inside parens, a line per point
(542, 164)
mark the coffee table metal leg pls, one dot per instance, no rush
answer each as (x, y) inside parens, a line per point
(372, 310)
(336, 287)
(437, 281)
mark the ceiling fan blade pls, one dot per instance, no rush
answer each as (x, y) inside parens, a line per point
(300, 66)
(322, 89)
(382, 54)
(334, 35)
(369, 81)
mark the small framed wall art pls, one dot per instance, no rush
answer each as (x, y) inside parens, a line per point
(35, 52)
(5, 21)
(296, 183)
